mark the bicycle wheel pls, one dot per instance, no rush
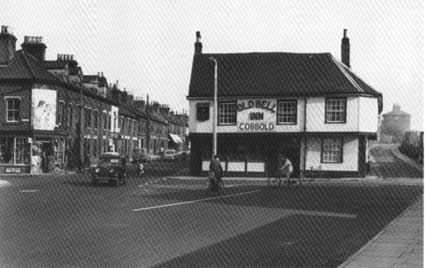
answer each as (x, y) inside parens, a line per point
(220, 186)
(274, 181)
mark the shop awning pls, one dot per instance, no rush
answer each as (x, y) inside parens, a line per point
(175, 138)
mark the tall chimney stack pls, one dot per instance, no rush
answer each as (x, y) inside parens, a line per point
(198, 44)
(34, 45)
(345, 49)
(7, 46)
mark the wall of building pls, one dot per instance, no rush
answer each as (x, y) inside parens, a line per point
(368, 114)
(361, 116)
(350, 155)
(316, 116)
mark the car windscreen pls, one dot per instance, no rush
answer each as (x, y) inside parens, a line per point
(109, 161)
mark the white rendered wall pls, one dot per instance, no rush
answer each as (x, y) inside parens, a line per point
(361, 116)
(350, 155)
(316, 116)
(368, 114)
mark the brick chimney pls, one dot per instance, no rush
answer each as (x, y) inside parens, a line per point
(198, 44)
(345, 49)
(34, 45)
(7, 46)
(155, 107)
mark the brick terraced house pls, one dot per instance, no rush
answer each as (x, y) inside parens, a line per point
(52, 116)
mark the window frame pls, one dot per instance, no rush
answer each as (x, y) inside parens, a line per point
(344, 120)
(18, 110)
(233, 102)
(293, 101)
(95, 119)
(60, 113)
(322, 141)
(200, 116)
(70, 114)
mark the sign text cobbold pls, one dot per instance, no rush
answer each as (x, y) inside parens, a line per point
(256, 122)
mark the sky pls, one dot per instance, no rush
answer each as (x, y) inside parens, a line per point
(148, 45)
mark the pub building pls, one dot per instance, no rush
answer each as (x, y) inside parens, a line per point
(307, 106)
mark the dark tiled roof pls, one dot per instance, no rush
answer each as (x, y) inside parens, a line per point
(274, 75)
(25, 67)
(89, 78)
(54, 64)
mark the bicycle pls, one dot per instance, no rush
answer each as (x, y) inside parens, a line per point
(214, 185)
(275, 181)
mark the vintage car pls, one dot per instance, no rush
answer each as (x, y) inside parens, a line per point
(170, 155)
(111, 168)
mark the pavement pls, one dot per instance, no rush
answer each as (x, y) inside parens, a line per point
(399, 245)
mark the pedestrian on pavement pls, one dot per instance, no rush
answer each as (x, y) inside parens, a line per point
(285, 169)
(215, 166)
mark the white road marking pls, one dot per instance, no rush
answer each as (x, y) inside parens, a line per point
(194, 201)
(29, 191)
(4, 183)
(321, 214)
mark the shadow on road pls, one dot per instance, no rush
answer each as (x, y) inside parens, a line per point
(298, 240)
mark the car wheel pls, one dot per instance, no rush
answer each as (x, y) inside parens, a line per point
(94, 182)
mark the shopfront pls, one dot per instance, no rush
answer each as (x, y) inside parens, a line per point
(14, 155)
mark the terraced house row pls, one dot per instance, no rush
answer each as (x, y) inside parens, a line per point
(51, 115)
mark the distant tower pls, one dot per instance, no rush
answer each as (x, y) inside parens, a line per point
(395, 124)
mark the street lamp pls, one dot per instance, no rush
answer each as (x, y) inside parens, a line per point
(214, 152)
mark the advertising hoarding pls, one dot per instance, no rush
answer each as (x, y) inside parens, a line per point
(43, 109)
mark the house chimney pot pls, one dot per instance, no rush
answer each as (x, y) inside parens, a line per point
(34, 45)
(7, 45)
(198, 44)
(345, 49)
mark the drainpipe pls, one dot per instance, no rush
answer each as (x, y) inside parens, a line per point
(305, 136)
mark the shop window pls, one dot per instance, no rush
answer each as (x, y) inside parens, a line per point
(59, 151)
(227, 113)
(332, 150)
(287, 112)
(60, 113)
(13, 109)
(202, 111)
(14, 150)
(335, 110)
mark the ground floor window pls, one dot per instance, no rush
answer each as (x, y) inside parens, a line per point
(332, 150)
(59, 151)
(14, 150)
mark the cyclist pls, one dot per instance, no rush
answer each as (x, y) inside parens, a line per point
(285, 169)
(216, 167)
